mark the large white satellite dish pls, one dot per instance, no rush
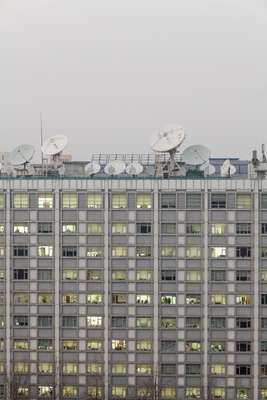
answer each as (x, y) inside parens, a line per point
(228, 169)
(92, 168)
(208, 169)
(22, 154)
(54, 145)
(169, 139)
(115, 167)
(196, 155)
(134, 168)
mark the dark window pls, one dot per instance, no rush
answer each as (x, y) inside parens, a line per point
(218, 200)
(243, 323)
(45, 344)
(192, 369)
(217, 322)
(264, 200)
(193, 322)
(143, 227)
(168, 369)
(264, 323)
(243, 252)
(168, 346)
(118, 322)
(243, 229)
(264, 346)
(264, 252)
(264, 229)
(45, 321)
(21, 321)
(193, 229)
(243, 347)
(168, 200)
(20, 251)
(168, 228)
(193, 200)
(69, 322)
(45, 274)
(45, 227)
(2, 390)
(20, 274)
(69, 251)
(242, 369)
(243, 276)
(217, 276)
(264, 369)
(168, 275)
(264, 299)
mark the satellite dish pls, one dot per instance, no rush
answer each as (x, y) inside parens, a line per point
(22, 154)
(208, 169)
(61, 170)
(196, 155)
(227, 169)
(115, 167)
(134, 168)
(169, 139)
(30, 170)
(92, 168)
(54, 145)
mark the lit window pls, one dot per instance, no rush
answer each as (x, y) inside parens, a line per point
(119, 200)
(218, 299)
(168, 299)
(193, 276)
(193, 252)
(144, 392)
(242, 394)
(45, 251)
(168, 393)
(119, 228)
(94, 200)
(70, 345)
(118, 275)
(143, 299)
(94, 322)
(2, 228)
(22, 391)
(2, 274)
(70, 391)
(144, 251)
(264, 394)
(70, 274)
(218, 393)
(243, 200)
(69, 368)
(217, 347)
(218, 229)
(94, 275)
(119, 251)
(69, 200)
(243, 299)
(45, 368)
(45, 200)
(70, 298)
(144, 369)
(94, 298)
(193, 346)
(143, 201)
(118, 344)
(119, 368)
(2, 345)
(94, 252)
(94, 345)
(193, 393)
(45, 391)
(218, 252)
(21, 367)
(94, 368)
(2, 367)
(119, 298)
(2, 251)
(21, 298)
(217, 369)
(20, 200)
(144, 322)
(45, 298)
(168, 251)
(264, 275)
(2, 200)
(193, 299)
(119, 392)
(69, 228)
(168, 323)
(21, 228)
(94, 228)
(143, 275)
(95, 392)
(144, 345)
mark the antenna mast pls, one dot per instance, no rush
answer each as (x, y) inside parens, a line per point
(41, 139)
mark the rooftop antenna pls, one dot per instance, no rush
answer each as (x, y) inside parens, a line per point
(196, 155)
(54, 147)
(41, 140)
(263, 153)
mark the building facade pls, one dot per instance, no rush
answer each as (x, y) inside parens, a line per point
(133, 288)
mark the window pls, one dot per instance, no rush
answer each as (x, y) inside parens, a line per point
(169, 299)
(119, 392)
(45, 227)
(144, 392)
(143, 228)
(218, 200)
(20, 200)
(217, 276)
(242, 369)
(243, 229)
(69, 391)
(243, 276)
(192, 393)
(168, 275)
(218, 252)
(69, 228)
(243, 200)
(144, 345)
(119, 200)
(119, 251)
(193, 252)
(21, 345)
(143, 322)
(242, 394)
(264, 229)
(218, 299)
(69, 368)
(118, 275)
(45, 344)
(168, 200)
(218, 229)
(119, 368)
(45, 200)
(144, 369)
(264, 252)
(168, 228)
(45, 251)
(264, 394)
(2, 275)
(264, 369)
(242, 347)
(192, 322)
(46, 391)
(264, 200)
(168, 251)
(94, 275)
(119, 298)
(168, 369)
(2, 228)
(69, 251)
(21, 298)
(168, 323)
(264, 346)
(243, 252)
(95, 200)
(45, 321)
(168, 346)
(118, 322)
(45, 368)
(94, 298)
(168, 393)
(243, 299)
(2, 251)
(143, 251)
(95, 368)
(2, 200)
(20, 251)
(45, 298)
(193, 200)
(70, 298)
(94, 252)
(69, 322)
(217, 347)
(21, 321)
(243, 323)
(69, 200)
(119, 228)
(20, 274)
(143, 299)
(143, 201)
(45, 274)
(217, 369)
(193, 276)
(94, 321)
(192, 347)
(193, 229)
(21, 367)
(118, 344)
(217, 393)
(94, 345)
(193, 299)
(22, 391)
(264, 323)
(192, 369)
(70, 274)
(94, 228)
(217, 322)
(21, 228)
(264, 299)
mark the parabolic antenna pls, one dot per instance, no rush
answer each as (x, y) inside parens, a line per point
(92, 168)
(115, 167)
(168, 139)
(227, 169)
(208, 169)
(22, 154)
(196, 155)
(134, 168)
(54, 145)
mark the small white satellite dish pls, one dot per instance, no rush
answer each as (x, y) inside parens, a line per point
(134, 168)
(196, 155)
(92, 168)
(115, 167)
(169, 139)
(54, 145)
(208, 169)
(61, 170)
(227, 169)
(22, 154)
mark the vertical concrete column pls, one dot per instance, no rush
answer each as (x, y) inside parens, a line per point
(8, 283)
(156, 279)
(57, 294)
(106, 291)
(205, 293)
(256, 295)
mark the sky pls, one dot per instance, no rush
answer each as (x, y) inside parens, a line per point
(110, 74)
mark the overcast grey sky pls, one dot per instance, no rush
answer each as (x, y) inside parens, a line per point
(108, 74)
